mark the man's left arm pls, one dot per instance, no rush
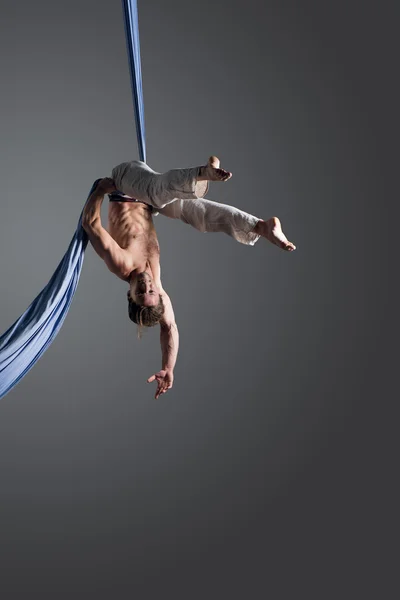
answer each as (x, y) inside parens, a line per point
(169, 339)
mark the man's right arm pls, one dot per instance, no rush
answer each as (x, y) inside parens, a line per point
(169, 335)
(169, 339)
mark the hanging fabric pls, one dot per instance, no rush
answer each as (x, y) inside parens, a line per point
(133, 47)
(26, 340)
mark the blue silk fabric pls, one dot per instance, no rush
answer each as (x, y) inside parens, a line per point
(133, 47)
(26, 340)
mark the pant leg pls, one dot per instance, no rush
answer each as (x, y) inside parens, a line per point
(208, 216)
(178, 184)
(138, 180)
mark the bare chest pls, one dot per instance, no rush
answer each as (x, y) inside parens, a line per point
(131, 225)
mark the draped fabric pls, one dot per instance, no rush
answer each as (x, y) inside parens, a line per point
(26, 340)
(133, 47)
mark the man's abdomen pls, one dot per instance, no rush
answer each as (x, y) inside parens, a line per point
(129, 222)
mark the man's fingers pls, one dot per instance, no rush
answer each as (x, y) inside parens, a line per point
(163, 385)
(161, 390)
(158, 393)
(109, 182)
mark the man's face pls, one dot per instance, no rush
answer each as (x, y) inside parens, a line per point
(144, 291)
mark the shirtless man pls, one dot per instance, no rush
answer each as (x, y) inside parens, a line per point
(130, 246)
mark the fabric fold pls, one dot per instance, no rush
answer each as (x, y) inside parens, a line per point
(26, 340)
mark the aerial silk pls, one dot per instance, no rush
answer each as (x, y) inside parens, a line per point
(133, 46)
(26, 340)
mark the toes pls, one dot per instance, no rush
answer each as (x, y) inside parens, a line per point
(223, 175)
(216, 174)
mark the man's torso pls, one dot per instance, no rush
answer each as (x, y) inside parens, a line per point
(131, 225)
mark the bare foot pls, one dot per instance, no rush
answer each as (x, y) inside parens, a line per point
(272, 231)
(212, 171)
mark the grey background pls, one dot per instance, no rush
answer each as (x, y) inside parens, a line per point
(270, 469)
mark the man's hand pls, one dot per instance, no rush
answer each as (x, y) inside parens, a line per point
(106, 186)
(165, 379)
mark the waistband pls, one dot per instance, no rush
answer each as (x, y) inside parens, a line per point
(115, 197)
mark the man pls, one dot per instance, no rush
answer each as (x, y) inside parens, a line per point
(130, 247)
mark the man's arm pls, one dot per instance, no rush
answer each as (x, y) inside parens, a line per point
(169, 335)
(169, 339)
(105, 246)
(92, 210)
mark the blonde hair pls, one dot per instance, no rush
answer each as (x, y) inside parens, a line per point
(145, 316)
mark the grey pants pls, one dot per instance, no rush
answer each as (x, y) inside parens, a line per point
(178, 195)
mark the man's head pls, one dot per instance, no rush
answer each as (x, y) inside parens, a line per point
(145, 302)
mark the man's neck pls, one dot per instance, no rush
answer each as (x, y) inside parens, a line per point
(140, 269)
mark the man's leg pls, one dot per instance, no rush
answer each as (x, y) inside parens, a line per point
(186, 184)
(207, 216)
(137, 180)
